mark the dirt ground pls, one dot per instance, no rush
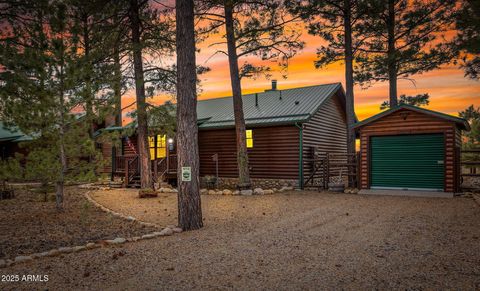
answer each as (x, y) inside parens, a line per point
(292, 241)
(29, 225)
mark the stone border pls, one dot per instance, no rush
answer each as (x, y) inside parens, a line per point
(169, 230)
(476, 198)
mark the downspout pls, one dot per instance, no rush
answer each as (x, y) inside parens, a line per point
(300, 152)
(114, 165)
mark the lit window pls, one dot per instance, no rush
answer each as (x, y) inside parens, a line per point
(151, 146)
(161, 146)
(157, 146)
(249, 134)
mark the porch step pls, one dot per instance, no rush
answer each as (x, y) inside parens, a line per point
(135, 182)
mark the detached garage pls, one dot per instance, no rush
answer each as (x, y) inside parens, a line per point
(411, 148)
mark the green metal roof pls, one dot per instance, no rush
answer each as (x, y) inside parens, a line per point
(12, 134)
(274, 107)
(462, 123)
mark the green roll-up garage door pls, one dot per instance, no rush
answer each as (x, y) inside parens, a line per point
(408, 161)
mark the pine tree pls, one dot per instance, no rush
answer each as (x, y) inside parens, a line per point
(417, 100)
(336, 21)
(472, 115)
(251, 28)
(468, 39)
(404, 38)
(147, 32)
(189, 205)
(39, 81)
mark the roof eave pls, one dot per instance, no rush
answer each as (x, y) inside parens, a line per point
(457, 120)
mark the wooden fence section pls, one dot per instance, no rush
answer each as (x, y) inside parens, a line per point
(331, 167)
(470, 169)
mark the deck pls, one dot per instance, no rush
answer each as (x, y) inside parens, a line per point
(128, 167)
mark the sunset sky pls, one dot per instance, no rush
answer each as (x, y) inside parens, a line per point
(449, 90)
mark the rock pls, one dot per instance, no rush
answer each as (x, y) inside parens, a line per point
(135, 238)
(164, 185)
(227, 192)
(131, 218)
(3, 263)
(219, 192)
(211, 192)
(246, 192)
(148, 236)
(203, 191)
(117, 241)
(53, 253)
(65, 250)
(167, 190)
(147, 193)
(21, 259)
(90, 245)
(236, 192)
(177, 229)
(156, 185)
(166, 231)
(268, 192)
(79, 248)
(41, 255)
(258, 191)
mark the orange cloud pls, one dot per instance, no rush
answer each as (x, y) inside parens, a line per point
(449, 90)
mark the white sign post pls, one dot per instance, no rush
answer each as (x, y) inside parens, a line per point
(186, 174)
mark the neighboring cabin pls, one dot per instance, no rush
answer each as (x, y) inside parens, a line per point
(283, 127)
(11, 140)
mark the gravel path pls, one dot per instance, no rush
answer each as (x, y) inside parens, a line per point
(291, 241)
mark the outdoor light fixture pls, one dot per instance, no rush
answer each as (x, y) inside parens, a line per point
(170, 144)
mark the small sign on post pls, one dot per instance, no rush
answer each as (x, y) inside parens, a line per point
(186, 174)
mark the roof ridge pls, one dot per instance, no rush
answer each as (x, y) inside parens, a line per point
(414, 108)
(288, 89)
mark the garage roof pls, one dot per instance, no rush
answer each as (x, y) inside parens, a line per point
(462, 123)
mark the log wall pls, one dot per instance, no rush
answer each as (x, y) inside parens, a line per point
(407, 121)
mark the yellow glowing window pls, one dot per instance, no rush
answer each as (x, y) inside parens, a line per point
(161, 146)
(157, 146)
(151, 146)
(249, 134)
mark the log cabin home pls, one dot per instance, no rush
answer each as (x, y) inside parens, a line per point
(283, 129)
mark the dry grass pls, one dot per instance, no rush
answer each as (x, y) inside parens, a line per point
(29, 225)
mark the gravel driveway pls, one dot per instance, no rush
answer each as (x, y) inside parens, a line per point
(292, 241)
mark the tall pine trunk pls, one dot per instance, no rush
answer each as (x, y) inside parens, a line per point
(59, 187)
(88, 80)
(142, 129)
(349, 102)
(117, 86)
(392, 54)
(189, 205)
(240, 130)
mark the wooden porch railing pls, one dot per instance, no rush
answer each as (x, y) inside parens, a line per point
(129, 167)
(132, 169)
